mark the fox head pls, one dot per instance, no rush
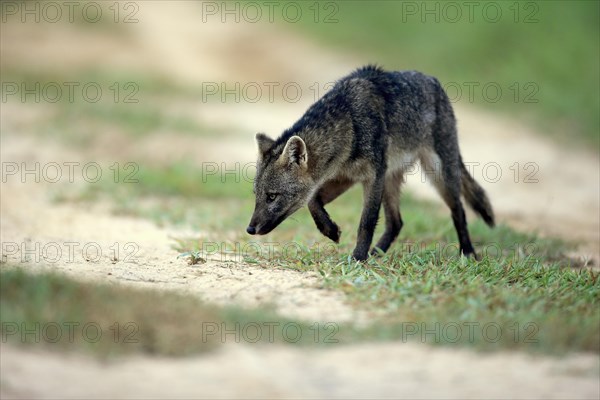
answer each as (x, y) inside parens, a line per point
(282, 184)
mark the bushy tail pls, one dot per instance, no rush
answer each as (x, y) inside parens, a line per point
(476, 197)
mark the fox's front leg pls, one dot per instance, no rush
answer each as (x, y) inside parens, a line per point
(327, 193)
(323, 220)
(373, 193)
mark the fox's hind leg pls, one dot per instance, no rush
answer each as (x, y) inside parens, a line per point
(445, 174)
(326, 194)
(391, 208)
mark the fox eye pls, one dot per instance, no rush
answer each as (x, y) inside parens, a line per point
(271, 197)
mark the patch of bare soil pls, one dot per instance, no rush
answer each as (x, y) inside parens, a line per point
(390, 370)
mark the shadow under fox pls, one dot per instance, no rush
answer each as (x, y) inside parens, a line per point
(369, 128)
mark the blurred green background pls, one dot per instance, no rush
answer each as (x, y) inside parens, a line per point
(538, 60)
(552, 44)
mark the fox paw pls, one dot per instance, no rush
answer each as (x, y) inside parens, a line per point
(471, 254)
(332, 231)
(359, 255)
(377, 252)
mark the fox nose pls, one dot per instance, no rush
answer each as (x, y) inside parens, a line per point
(251, 230)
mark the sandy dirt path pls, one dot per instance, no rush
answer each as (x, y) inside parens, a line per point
(82, 240)
(564, 202)
(363, 371)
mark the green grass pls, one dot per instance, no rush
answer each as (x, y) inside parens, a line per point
(557, 307)
(533, 301)
(563, 64)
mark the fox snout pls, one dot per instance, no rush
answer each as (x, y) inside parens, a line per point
(259, 225)
(259, 229)
(253, 226)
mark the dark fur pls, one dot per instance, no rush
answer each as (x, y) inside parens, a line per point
(369, 128)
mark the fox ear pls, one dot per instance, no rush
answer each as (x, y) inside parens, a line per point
(264, 143)
(294, 152)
